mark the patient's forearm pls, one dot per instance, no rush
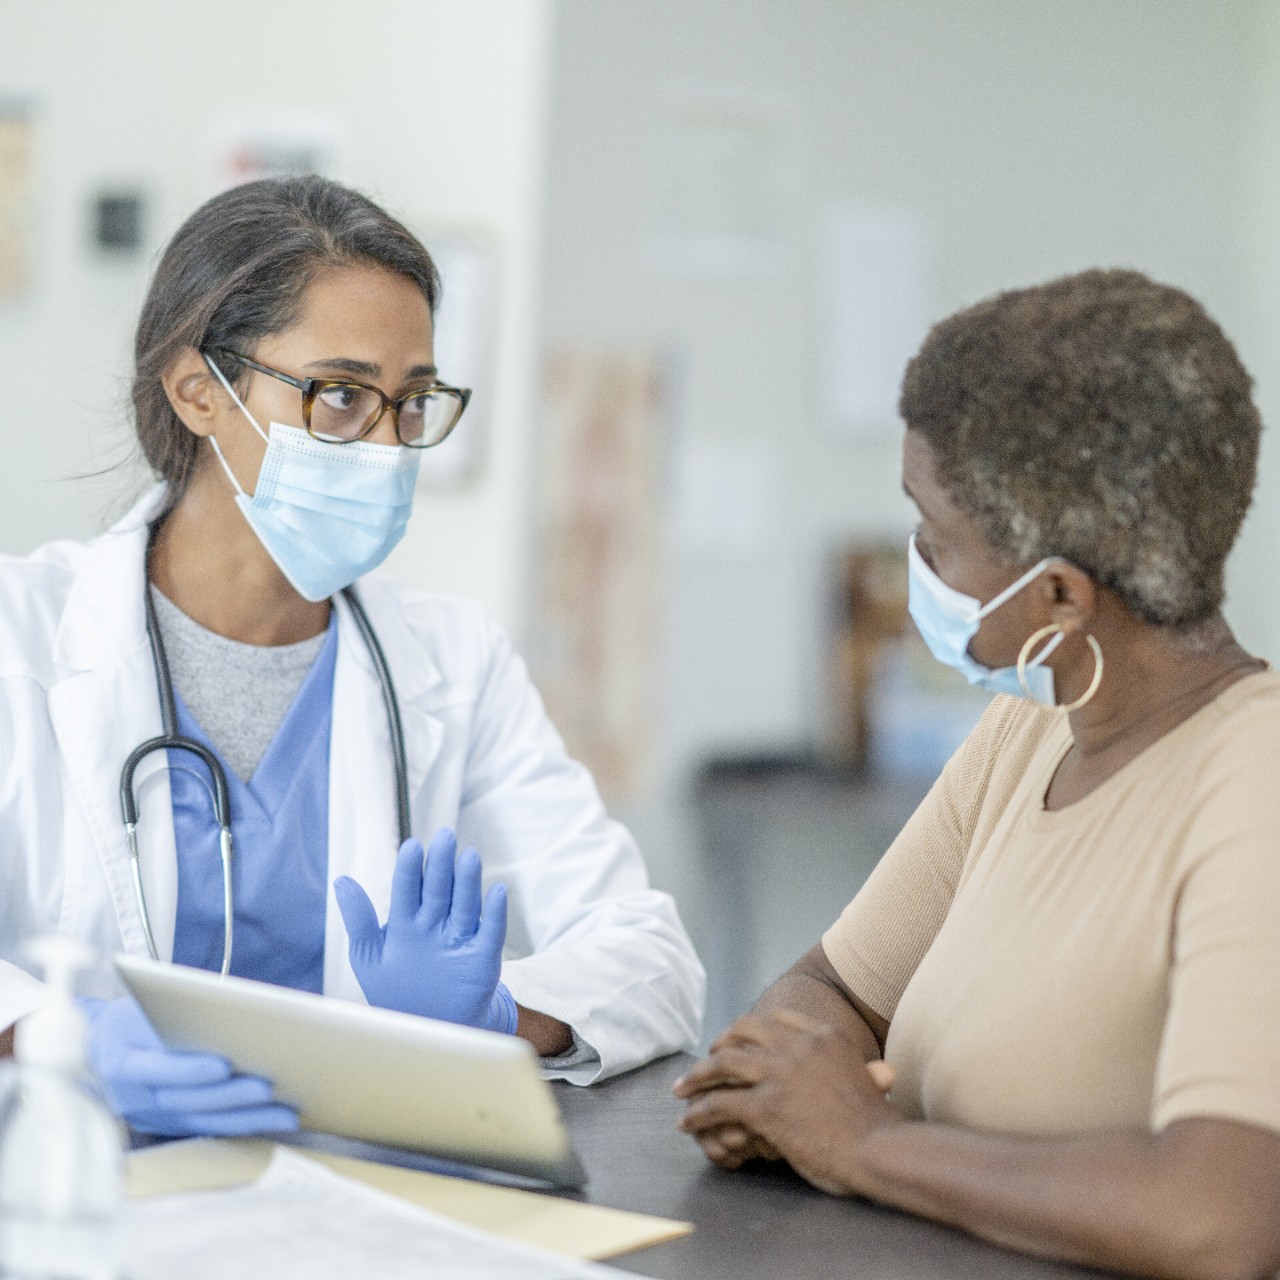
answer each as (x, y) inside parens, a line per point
(1197, 1200)
(812, 987)
(6, 1043)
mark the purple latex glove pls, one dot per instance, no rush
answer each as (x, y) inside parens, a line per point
(155, 1090)
(439, 954)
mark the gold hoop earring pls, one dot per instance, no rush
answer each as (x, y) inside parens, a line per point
(1056, 628)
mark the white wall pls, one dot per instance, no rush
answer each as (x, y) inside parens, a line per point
(443, 105)
(1037, 136)
(1255, 593)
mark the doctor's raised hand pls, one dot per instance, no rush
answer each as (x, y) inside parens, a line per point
(439, 954)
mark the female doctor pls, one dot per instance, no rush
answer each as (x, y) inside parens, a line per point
(284, 388)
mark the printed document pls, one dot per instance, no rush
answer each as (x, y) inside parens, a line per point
(301, 1221)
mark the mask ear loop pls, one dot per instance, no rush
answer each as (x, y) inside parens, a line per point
(213, 440)
(1014, 587)
(1058, 631)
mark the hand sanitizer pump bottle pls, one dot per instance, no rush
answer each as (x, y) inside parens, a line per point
(60, 1148)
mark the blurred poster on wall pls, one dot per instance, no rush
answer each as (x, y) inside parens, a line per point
(876, 302)
(594, 600)
(723, 180)
(16, 161)
(243, 146)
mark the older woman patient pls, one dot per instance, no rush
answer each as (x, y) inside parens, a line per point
(1052, 1015)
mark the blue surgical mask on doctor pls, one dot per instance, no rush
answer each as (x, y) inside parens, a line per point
(948, 620)
(325, 513)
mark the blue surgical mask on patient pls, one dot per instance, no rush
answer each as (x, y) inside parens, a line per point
(948, 620)
(325, 513)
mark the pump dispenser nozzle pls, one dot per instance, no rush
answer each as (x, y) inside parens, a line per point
(60, 1166)
(54, 1035)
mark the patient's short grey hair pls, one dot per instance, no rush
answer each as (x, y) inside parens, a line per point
(1103, 418)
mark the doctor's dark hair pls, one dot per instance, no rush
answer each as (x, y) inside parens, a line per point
(1103, 418)
(235, 272)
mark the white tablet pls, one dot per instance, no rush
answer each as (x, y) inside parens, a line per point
(365, 1073)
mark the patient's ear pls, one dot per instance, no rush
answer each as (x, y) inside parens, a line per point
(1075, 596)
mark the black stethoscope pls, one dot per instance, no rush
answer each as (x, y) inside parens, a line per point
(172, 740)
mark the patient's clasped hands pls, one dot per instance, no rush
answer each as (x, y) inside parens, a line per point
(784, 1085)
(440, 952)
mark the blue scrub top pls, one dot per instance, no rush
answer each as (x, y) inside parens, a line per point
(280, 829)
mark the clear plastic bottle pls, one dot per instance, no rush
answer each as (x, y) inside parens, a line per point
(60, 1148)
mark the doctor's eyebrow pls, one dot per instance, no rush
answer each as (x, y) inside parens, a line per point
(367, 370)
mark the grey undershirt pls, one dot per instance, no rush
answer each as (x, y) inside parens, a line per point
(238, 693)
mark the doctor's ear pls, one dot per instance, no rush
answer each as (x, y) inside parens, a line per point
(193, 391)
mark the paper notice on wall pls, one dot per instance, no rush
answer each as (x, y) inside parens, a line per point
(876, 302)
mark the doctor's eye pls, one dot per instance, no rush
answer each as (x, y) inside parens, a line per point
(342, 410)
(425, 417)
(340, 398)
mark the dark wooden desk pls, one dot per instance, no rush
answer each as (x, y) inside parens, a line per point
(765, 1224)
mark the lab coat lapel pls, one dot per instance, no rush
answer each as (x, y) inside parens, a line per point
(105, 706)
(363, 827)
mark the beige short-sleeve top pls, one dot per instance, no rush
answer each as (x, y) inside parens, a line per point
(1112, 964)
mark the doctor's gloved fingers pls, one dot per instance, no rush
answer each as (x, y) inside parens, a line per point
(160, 1068)
(129, 1101)
(241, 1123)
(235, 1094)
(464, 913)
(492, 932)
(406, 882)
(503, 1014)
(123, 1048)
(364, 933)
(118, 1022)
(437, 879)
(445, 839)
(158, 1111)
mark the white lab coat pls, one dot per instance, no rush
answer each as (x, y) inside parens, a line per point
(589, 941)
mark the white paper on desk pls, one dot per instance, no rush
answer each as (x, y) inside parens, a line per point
(301, 1221)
